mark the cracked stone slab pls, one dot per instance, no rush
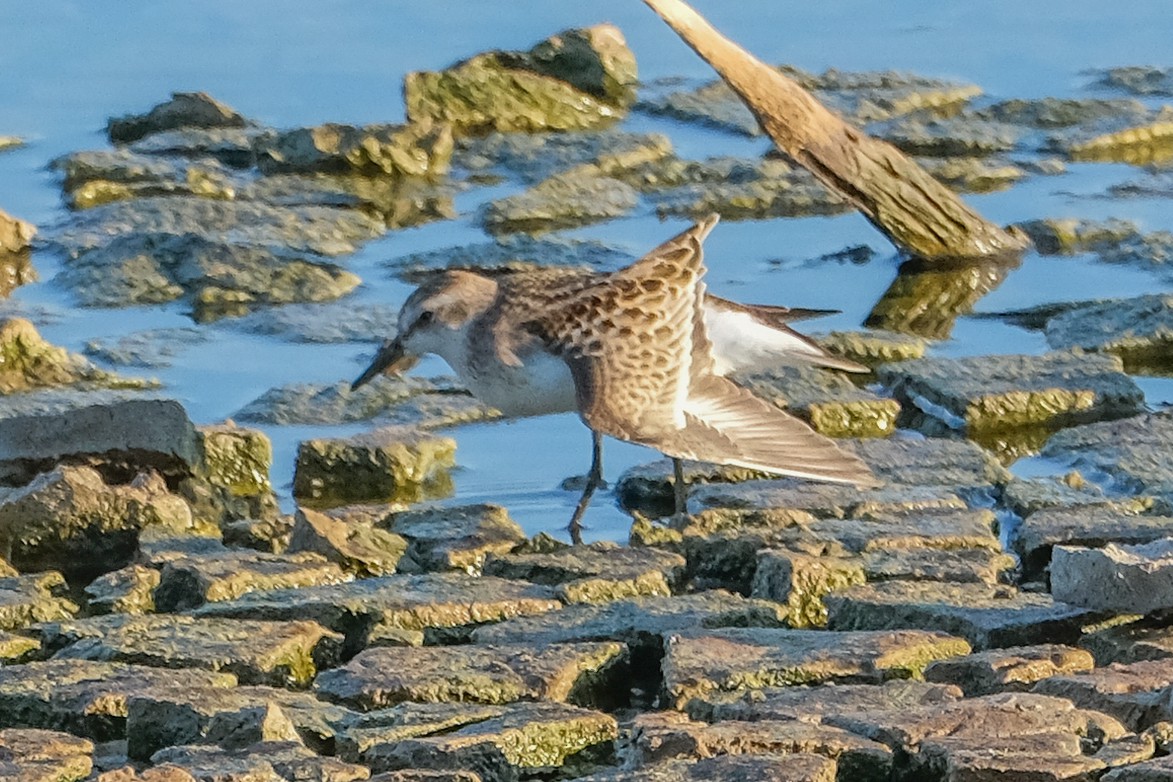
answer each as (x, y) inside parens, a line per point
(729, 768)
(701, 662)
(393, 463)
(524, 739)
(86, 698)
(230, 716)
(988, 617)
(410, 602)
(276, 653)
(50, 424)
(1136, 694)
(1131, 456)
(989, 717)
(37, 597)
(268, 761)
(48, 755)
(1147, 638)
(660, 736)
(1139, 330)
(638, 622)
(1000, 392)
(594, 573)
(1091, 525)
(190, 581)
(377, 678)
(456, 538)
(1121, 579)
(816, 703)
(1012, 669)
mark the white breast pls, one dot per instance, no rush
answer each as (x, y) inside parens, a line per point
(542, 385)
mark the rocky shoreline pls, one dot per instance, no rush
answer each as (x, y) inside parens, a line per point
(161, 619)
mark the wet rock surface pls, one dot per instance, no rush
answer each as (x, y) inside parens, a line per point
(180, 619)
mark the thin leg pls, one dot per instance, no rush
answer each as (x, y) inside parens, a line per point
(680, 489)
(594, 481)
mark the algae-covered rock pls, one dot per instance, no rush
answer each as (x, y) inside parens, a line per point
(237, 459)
(1002, 392)
(1133, 694)
(1088, 525)
(86, 698)
(953, 138)
(800, 767)
(986, 616)
(16, 269)
(129, 590)
(357, 546)
(874, 347)
(1139, 330)
(700, 662)
(565, 200)
(640, 623)
(594, 573)
(1049, 113)
(29, 362)
(1139, 79)
(322, 322)
(230, 717)
(233, 146)
(456, 538)
(800, 581)
(277, 653)
(1132, 453)
(816, 703)
(660, 736)
(579, 673)
(975, 175)
(828, 401)
(187, 581)
(30, 754)
(412, 602)
(150, 349)
(15, 234)
(397, 151)
(400, 401)
(97, 177)
(382, 465)
(525, 738)
(71, 520)
(39, 597)
(184, 110)
(268, 757)
(1145, 638)
(512, 91)
(1013, 669)
(17, 648)
(1147, 143)
(322, 230)
(508, 252)
(1118, 578)
(1071, 236)
(220, 278)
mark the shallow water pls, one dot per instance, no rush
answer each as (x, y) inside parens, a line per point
(68, 66)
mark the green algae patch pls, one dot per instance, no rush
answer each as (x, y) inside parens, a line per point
(513, 91)
(801, 580)
(28, 362)
(1003, 392)
(237, 459)
(872, 348)
(393, 463)
(700, 663)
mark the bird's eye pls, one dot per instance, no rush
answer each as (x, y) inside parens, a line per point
(426, 317)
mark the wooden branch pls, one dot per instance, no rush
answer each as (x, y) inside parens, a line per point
(919, 214)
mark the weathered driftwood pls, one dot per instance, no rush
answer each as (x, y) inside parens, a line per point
(920, 215)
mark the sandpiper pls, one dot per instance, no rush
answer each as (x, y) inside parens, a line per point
(641, 354)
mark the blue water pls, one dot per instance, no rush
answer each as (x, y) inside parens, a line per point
(68, 66)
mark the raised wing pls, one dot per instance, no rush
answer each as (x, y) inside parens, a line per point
(629, 339)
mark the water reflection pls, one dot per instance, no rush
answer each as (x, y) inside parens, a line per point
(925, 299)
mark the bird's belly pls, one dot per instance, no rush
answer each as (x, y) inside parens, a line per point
(542, 385)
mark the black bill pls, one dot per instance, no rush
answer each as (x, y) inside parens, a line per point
(390, 360)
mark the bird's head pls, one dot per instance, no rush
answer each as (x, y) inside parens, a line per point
(435, 319)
